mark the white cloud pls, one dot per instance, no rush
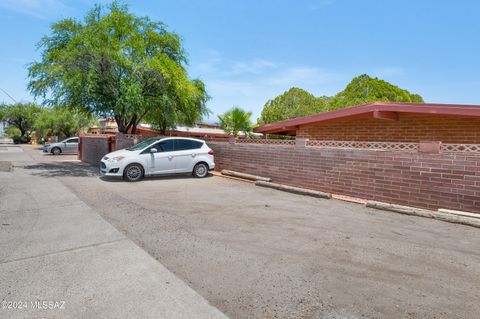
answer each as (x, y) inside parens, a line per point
(256, 66)
(250, 84)
(388, 71)
(303, 75)
(42, 9)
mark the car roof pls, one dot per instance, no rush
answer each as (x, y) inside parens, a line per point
(181, 138)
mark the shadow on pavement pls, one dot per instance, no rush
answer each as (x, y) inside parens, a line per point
(111, 179)
(63, 169)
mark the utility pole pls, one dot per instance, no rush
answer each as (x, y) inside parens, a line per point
(6, 93)
(2, 123)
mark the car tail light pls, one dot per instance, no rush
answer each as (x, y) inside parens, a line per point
(210, 152)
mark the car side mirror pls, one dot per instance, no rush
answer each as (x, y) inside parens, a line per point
(153, 150)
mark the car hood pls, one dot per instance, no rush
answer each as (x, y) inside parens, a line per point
(123, 152)
(55, 144)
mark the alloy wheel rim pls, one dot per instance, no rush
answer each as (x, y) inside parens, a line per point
(201, 170)
(133, 172)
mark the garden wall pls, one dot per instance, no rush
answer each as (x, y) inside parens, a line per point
(91, 149)
(429, 180)
(408, 177)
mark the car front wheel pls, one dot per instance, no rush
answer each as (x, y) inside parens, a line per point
(200, 170)
(56, 151)
(133, 172)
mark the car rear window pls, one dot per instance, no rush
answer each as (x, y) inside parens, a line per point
(182, 145)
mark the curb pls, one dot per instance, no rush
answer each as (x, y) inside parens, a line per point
(440, 215)
(295, 190)
(245, 176)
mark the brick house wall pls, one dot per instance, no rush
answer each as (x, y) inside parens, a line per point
(408, 128)
(417, 179)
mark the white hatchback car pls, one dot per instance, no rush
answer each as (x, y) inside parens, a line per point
(158, 156)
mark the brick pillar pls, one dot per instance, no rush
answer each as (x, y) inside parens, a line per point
(429, 146)
(111, 143)
(301, 142)
(80, 145)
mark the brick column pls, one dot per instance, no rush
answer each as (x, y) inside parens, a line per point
(429, 146)
(301, 142)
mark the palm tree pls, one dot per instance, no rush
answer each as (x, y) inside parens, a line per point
(235, 121)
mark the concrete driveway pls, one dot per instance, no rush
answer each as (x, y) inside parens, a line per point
(259, 253)
(60, 259)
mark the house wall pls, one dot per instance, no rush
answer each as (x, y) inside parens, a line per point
(409, 128)
(417, 179)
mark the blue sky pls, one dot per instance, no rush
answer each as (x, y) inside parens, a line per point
(250, 51)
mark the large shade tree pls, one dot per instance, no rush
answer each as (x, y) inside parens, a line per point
(364, 89)
(21, 116)
(117, 65)
(61, 121)
(293, 103)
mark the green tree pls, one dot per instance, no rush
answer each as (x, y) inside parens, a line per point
(12, 131)
(115, 64)
(22, 116)
(186, 108)
(61, 121)
(364, 89)
(235, 121)
(292, 103)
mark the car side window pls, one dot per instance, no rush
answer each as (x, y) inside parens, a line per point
(182, 145)
(73, 140)
(163, 146)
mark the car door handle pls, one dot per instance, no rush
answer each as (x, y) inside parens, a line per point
(170, 157)
(193, 155)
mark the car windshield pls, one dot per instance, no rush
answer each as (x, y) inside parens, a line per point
(142, 145)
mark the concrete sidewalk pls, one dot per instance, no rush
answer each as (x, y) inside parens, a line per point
(56, 252)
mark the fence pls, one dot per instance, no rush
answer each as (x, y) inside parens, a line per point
(426, 174)
(429, 180)
(92, 147)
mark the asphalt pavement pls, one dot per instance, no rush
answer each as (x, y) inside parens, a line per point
(60, 259)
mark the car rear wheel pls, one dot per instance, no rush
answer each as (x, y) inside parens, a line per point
(56, 151)
(200, 170)
(133, 172)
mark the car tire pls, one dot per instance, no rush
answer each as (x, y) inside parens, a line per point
(133, 172)
(200, 170)
(56, 151)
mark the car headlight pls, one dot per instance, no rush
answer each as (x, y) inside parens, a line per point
(116, 159)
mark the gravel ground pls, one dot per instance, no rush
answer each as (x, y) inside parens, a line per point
(260, 253)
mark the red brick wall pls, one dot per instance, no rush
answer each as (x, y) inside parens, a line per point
(409, 128)
(416, 179)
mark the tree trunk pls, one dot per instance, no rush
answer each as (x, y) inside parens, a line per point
(120, 124)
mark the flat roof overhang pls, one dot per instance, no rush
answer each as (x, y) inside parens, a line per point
(380, 110)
